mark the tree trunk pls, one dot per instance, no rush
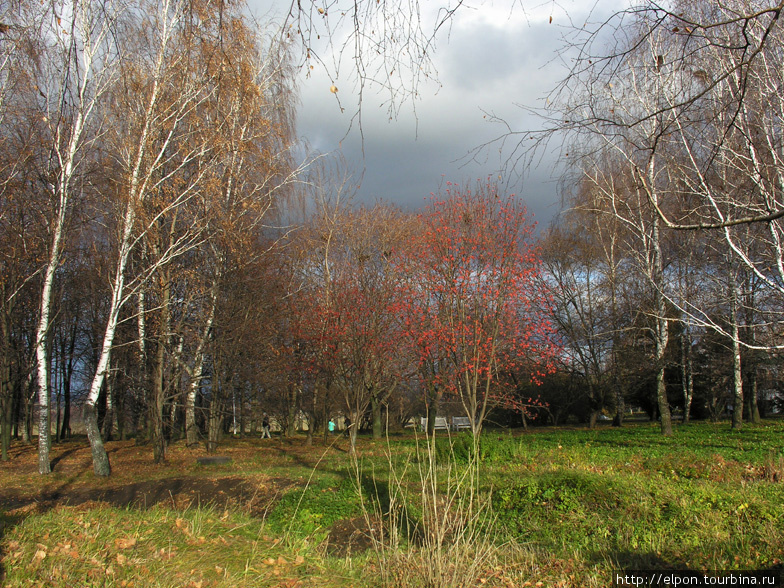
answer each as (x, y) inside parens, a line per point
(753, 398)
(119, 403)
(42, 355)
(108, 419)
(58, 415)
(6, 398)
(215, 423)
(43, 332)
(737, 373)
(325, 414)
(592, 418)
(5, 426)
(27, 415)
(433, 396)
(687, 376)
(737, 380)
(291, 411)
(620, 402)
(101, 465)
(100, 459)
(662, 325)
(352, 432)
(378, 424)
(158, 387)
(620, 407)
(663, 404)
(242, 412)
(191, 430)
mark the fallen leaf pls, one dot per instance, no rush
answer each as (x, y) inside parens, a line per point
(125, 543)
(39, 555)
(121, 559)
(299, 560)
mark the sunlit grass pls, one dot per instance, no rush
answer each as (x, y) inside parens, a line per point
(572, 506)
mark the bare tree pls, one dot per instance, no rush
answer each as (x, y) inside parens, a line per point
(157, 98)
(80, 61)
(707, 76)
(387, 47)
(582, 262)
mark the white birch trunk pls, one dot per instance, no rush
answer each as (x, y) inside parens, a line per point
(67, 164)
(737, 373)
(100, 458)
(136, 192)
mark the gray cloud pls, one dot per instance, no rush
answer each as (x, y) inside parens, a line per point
(491, 61)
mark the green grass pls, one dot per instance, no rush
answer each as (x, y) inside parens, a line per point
(311, 511)
(571, 507)
(103, 546)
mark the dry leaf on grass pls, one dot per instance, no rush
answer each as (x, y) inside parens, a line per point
(125, 543)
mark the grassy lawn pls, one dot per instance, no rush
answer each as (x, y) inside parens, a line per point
(559, 508)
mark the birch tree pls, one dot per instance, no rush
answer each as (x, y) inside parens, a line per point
(21, 251)
(79, 65)
(711, 75)
(156, 98)
(252, 175)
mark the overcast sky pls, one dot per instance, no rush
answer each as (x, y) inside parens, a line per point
(493, 58)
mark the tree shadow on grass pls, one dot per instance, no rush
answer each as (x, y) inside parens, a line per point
(391, 511)
(67, 453)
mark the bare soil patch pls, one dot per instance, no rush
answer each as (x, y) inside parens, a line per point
(349, 536)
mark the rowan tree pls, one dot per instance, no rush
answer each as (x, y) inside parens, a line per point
(344, 317)
(471, 298)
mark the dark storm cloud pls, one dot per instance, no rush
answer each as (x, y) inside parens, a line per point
(492, 61)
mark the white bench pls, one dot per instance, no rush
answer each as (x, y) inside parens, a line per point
(441, 424)
(459, 423)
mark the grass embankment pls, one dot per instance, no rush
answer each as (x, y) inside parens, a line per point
(570, 507)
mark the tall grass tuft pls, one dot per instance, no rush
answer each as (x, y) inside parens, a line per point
(429, 524)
